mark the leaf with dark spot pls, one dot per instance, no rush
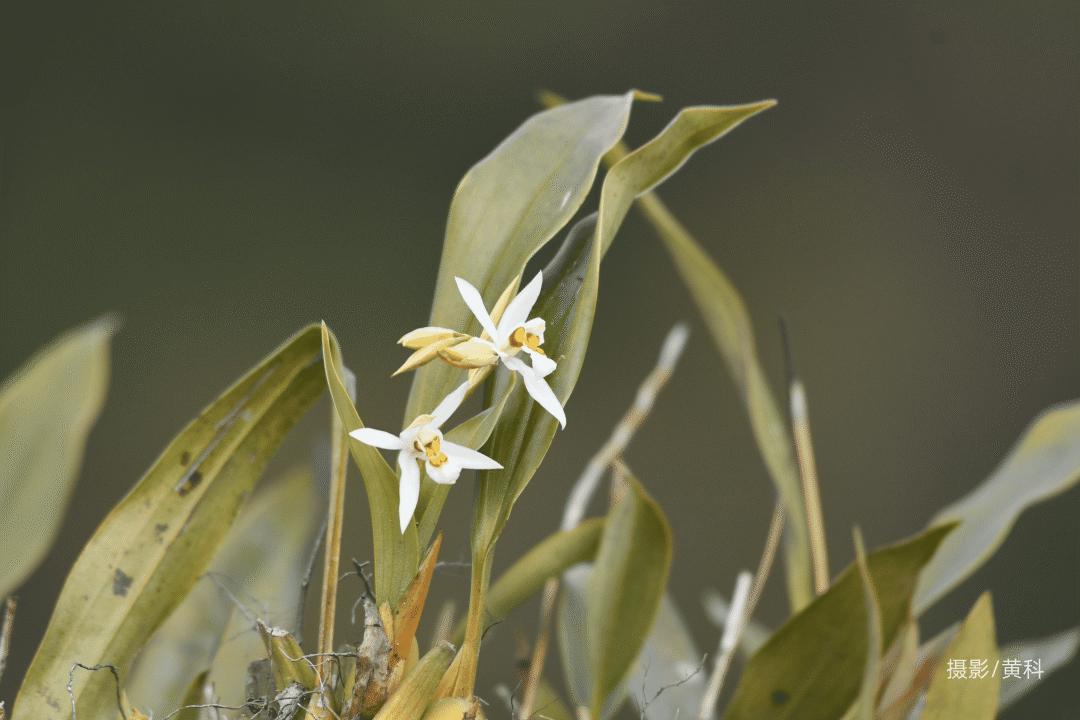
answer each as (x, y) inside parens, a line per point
(121, 583)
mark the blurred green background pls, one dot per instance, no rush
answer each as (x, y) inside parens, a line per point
(221, 173)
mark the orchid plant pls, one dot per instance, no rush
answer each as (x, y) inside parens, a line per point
(141, 629)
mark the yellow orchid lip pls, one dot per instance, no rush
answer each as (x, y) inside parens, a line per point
(432, 449)
(522, 338)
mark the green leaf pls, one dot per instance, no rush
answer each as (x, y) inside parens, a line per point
(900, 665)
(1052, 653)
(968, 698)
(508, 206)
(627, 584)
(547, 559)
(397, 554)
(522, 439)
(728, 321)
(152, 548)
(260, 564)
(568, 302)
(718, 300)
(812, 667)
(46, 411)
(866, 702)
(649, 165)
(1045, 462)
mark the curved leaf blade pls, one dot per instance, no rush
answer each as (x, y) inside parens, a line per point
(1052, 652)
(866, 702)
(260, 564)
(46, 411)
(1045, 462)
(812, 667)
(397, 554)
(634, 175)
(508, 206)
(571, 287)
(642, 169)
(522, 439)
(971, 698)
(625, 589)
(155, 544)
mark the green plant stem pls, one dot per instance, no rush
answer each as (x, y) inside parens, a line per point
(465, 682)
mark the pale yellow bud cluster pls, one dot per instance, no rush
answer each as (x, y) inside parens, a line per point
(428, 342)
(455, 348)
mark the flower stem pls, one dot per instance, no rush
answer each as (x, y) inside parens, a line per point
(469, 655)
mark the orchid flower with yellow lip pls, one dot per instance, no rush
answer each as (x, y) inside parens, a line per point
(423, 441)
(514, 334)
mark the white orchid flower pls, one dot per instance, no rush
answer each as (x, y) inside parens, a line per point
(423, 441)
(514, 334)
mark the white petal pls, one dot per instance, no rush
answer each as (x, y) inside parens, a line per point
(409, 489)
(542, 365)
(445, 474)
(538, 388)
(469, 458)
(449, 404)
(517, 312)
(472, 299)
(378, 438)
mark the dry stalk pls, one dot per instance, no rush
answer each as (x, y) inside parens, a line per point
(804, 454)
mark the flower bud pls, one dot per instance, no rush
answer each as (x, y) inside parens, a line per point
(470, 354)
(422, 337)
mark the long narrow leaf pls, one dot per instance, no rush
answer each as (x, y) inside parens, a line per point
(1051, 653)
(153, 547)
(258, 566)
(397, 554)
(1044, 463)
(954, 695)
(46, 411)
(508, 206)
(627, 583)
(728, 321)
